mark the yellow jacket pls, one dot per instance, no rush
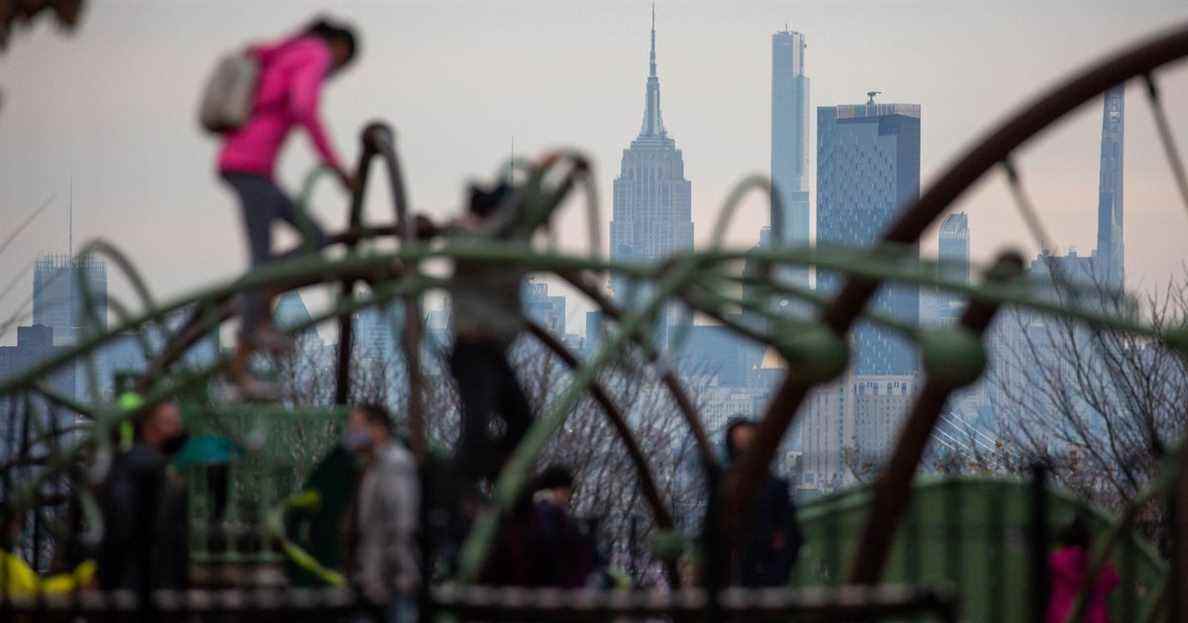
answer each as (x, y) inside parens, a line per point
(20, 580)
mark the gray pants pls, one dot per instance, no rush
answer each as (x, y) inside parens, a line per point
(262, 202)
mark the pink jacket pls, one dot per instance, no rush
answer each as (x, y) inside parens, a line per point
(291, 75)
(1067, 566)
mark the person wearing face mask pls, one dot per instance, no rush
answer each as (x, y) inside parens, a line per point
(145, 541)
(382, 538)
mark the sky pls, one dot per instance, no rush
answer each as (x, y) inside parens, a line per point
(107, 115)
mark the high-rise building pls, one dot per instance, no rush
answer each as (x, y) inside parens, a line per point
(868, 169)
(954, 257)
(1110, 256)
(790, 137)
(548, 311)
(881, 403)
(653, 202)
(58, 295)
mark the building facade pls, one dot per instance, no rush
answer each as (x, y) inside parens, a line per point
(954, 256)
(58, 296)
(546, 310)
(652, 216)
(1110, 255)
(790, 138)
(881, 403)
(868, 170)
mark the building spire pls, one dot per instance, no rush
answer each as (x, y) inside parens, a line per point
(653, 125)
(652, 57)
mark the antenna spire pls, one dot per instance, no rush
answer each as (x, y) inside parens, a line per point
(652, 58)
(70, 220)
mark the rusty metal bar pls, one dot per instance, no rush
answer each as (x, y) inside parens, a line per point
(647, 481)
(346, 322)
(684, 404)
(893, 490)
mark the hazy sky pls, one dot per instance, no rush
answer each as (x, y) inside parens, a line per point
(113, 108)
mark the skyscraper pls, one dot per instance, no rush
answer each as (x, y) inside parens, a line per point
(790, 136)
(653, 202)
(58, 299)
(543, 308)
(1110, 256)
(954, 257)
(868, 169)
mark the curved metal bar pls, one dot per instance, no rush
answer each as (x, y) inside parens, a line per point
(742, 481)
(384, 141)
(893, 490)
(758, 182)
(512, 479)
(347, 289)
(684, 404)
(643, 472)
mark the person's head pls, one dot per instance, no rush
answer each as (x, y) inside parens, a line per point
(161, 427)
(557, 480)
(369, 427)
(340, 38)
(740, 433)
(1076, 534)
(485, 201)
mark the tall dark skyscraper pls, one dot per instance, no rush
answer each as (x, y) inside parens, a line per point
(868, 169)
(790, 136)
(653, 202)
(58, 301)
(1110, 256)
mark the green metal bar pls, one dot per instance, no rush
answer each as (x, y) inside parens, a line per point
(518, 468)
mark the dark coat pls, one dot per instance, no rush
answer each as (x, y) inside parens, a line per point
(770, 538)
(145, 524)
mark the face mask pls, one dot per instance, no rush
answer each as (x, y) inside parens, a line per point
(174, 444)
(355, 440)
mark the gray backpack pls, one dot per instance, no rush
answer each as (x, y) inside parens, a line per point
(229, 92)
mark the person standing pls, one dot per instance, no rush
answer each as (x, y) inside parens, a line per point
(770, 541)
(292, 74)
(1068, 566)
(145, 541)
(487, 317)
(384, 524)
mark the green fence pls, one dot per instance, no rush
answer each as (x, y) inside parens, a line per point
(970, 534)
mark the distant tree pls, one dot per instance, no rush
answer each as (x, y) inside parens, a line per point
(1099, 408)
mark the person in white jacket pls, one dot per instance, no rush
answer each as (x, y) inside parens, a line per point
(384, 551)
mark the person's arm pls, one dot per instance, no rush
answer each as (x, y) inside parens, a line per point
(303, 103)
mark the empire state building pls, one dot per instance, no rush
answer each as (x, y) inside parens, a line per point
(653, 214)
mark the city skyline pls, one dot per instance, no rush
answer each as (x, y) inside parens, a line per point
(733, 139)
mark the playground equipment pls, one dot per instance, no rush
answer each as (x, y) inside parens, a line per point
(815, 352)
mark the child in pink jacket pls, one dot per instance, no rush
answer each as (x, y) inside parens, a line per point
(292, 74)
(1068, 566)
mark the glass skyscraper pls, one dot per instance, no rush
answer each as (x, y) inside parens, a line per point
(790, 137)
(58, 301)
(868, 169)
(653, 202)
(954, 257)
(1110, 256)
